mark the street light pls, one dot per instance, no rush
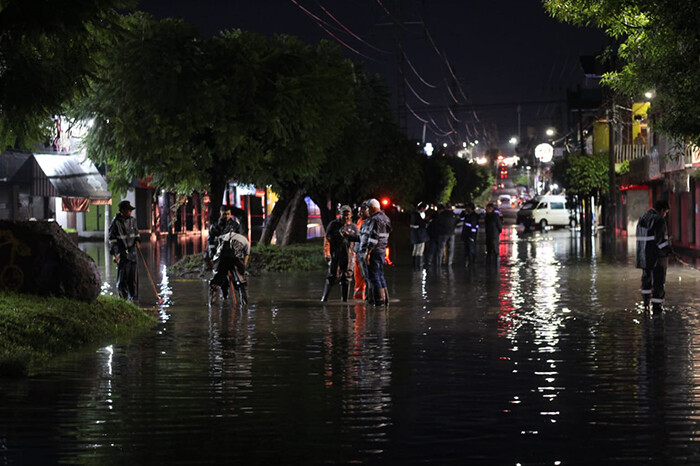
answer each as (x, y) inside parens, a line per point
(513, 140)
(550, 132)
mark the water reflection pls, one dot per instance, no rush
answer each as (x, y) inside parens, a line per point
(541, 357)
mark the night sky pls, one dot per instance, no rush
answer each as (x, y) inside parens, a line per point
(501, 52)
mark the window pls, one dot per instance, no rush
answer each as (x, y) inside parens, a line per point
(543, 205)
(558, 205)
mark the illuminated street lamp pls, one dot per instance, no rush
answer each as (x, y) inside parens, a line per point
(513, 140)
(550, 132)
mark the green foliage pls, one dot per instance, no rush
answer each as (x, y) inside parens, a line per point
(34, 329)
(622, 167)
(522, 180)
(47, 53)
(292, 258)
(584, 175)
(194, 112)
(471, 180)
(263, 258)
(660, 46)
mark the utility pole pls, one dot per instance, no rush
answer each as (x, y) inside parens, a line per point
(612, 185)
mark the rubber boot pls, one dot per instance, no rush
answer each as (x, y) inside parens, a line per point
(646, 299)
(326, 290)
(386, 296)
(656, 308)
(369, 293)
(379, 297)
(344, 290)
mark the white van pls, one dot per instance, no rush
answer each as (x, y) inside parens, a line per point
(544, 210)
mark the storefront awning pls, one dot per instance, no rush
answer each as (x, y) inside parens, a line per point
(73, 176)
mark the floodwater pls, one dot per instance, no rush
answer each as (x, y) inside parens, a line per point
(544, 358)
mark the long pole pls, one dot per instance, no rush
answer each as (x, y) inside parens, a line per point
(148, 272)
(612, 186)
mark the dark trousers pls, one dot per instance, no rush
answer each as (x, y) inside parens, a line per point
(470, 250)
(222, 267)
(492, 246)
(375, 269)
(128, 279)
(654, 281)
(340, 267)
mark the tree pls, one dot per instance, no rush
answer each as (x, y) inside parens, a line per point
(372, 158)
(660, 46)
(471, 179)
(439, 179)
(194, 113)
(584, 177)
(47, 54)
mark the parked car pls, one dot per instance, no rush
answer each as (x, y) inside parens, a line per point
(545, 210)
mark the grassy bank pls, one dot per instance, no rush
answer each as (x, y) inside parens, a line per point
(270, 258)
(34, 329)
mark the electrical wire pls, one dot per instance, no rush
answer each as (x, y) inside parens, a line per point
(346, 29)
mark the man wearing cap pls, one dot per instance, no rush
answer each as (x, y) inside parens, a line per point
(653, 249)
(337, 249)
(379, 227)
(226, 223)
(123, 241)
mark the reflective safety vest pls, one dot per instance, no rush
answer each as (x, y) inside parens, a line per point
(652, 240)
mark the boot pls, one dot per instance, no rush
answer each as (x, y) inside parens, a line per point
(369, 294)
(646, 299)
(379, 297)
(326, 290)
(657, 308)
(344, 290)
(386, 296)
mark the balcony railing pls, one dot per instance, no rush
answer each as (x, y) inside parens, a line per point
(628, 152)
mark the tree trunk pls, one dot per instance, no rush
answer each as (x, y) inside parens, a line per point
(285, 228)
(323, 201)
(273, 220)
(217, 186)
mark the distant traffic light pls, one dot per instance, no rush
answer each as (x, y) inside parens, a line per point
(385, 201)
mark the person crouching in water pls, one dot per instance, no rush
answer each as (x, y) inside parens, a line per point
(339, 254)
(231, 257)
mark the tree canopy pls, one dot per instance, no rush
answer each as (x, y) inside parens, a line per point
(660, 46)
(47, 55)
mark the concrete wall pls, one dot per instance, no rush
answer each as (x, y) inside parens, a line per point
(637, 204)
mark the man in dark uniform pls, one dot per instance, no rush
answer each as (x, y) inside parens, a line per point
(470, 230)
(123, 241)
(231, 257)
(653, 249)
(493, 224)
(339, 254)
(379, 227)
(226, 223)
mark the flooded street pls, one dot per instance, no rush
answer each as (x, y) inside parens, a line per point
(545, 358)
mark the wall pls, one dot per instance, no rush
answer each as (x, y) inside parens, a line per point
(637, 204)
